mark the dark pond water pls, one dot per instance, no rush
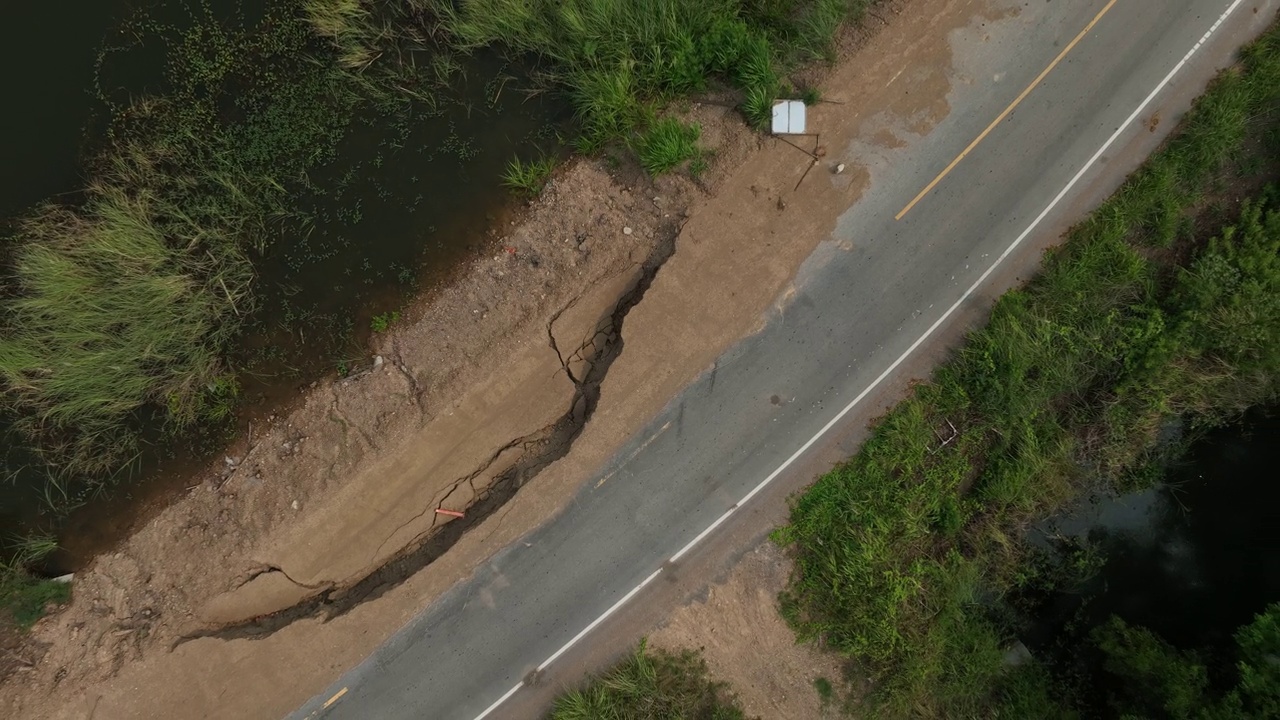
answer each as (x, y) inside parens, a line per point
(410, 193)
(49, 51)
(1193, 559)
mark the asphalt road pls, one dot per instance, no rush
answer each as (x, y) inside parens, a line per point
(855, 317)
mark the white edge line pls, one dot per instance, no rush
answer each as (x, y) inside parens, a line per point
(499, 701)
(574, 641)
(901, 358)
(597, 621)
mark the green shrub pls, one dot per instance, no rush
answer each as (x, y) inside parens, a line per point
(618, 58)
(528, 178)
(666, 145)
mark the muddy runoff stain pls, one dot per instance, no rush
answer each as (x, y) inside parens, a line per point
(911, 100)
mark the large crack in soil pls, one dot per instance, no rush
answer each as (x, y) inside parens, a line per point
(540, 449)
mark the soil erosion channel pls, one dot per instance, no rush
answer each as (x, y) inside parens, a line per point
(586, 339)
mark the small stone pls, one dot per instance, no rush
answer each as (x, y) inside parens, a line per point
(295, 505)
(840, 168)
(626, 231)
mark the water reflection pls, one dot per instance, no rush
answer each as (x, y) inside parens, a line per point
(1193, 559)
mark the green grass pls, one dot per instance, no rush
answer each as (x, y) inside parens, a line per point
(666, 145)
(383, 322)
(826, 691)
(125, 305)
(349, 26)
(650, 685)
(112, 314)
(23, 595)
(618, 60)
(904, 551)
(26, 597)
(528, 177)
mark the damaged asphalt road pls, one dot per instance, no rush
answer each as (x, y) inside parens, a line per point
(860, 305)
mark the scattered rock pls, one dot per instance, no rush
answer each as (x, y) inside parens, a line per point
(626, 231)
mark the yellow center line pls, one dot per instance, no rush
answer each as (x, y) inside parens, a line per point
(334, 699)
(1017, 101)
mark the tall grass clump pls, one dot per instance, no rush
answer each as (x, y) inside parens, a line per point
(904, 553)
(528, 177)
(125, 305)
(666, 145)
(377, 46)
(651, 685)
(349, 26)
(122, 303)
(803, 31)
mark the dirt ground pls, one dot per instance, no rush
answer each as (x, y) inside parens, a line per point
(474, 381)
(737, 627)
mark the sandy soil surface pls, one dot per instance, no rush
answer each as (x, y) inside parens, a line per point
(332, 504)
(737, 627)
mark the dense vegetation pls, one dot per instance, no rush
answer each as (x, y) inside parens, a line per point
(1145, 676)
(651, 685)
(1136, 321)
(621, 59)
